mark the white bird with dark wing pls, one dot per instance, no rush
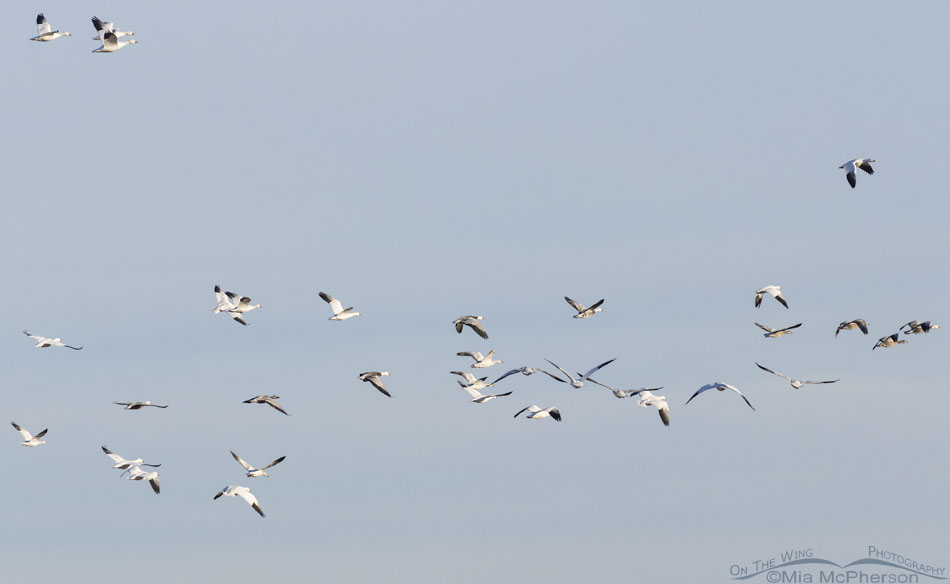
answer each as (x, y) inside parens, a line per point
(256, 472)
(771, 333)
(233, 305)
(851, 167)
(270, 400)
(917, 328)
(529, 371)
(473, 322)
(104, 27)
(647, 399)
(44, 342)
(624, 393)
(796, 383)
(481, 361)
(137, 474)
(850, 325)
(111, 43)
(225, 300)
(45, 32)
(136, 405)
(889, 341)
(720, 386)
(339, 313)
(123, 464)
(537, 413)
(579, 382)
(585, 311)
(373, 378)
(244, 493)
(774, 291)
(472, 381)
(29, 439)
(479, 397)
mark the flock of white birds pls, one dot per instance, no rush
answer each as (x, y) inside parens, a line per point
(106, 33)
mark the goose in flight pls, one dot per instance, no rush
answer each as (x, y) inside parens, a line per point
(583, 311)
(771, 333)
(104, 27)
(373, 378)
(721, 387)
(473, 322)
(256, 472)
(46, 33)
(339, 313)
(850, 325)
(889, 341)
(852, 165)
(917, 328)
(479, 397)
(481, 361)
(529, 371)
(124, 464)
(29, 439)
(244, 493)
(138, 405)
(111, 43)
(774, 291)
(473, 383)
(270, 400)
(623, 393)
(43, 342)
(647, 399)
(230, 303)
(137, 474)
(796, 383)
(535, 412)
(579, 382)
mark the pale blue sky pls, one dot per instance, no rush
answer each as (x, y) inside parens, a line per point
(423, 160)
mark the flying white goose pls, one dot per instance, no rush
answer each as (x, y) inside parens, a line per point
(29, 439)
(583, 311)
(111, 44)
(256, 472)
(270, 400)
(104, 27)
(373, 378)
(138, 405)
(230, 303)
(339, 313)
(244, 493)
(774, 291)
(473, 383)
(479, 397)
(771, 333)
(850, 325)
(535, 412)
(623, 393)
(481, 361)
(721, 387)
(889, 341)
(137, 474)
(579, 382)
(44, 342)
(852, 165)
(916, 328)
(659, 402)
(529, 371)
(472, 322)
(124, 464)
(796, 383)
(46, 33)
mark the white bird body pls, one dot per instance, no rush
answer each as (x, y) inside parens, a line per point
(537, 413)
(270, 400)
(256, 472)
(481, 361)
(720, 386)
(136, 405)
(585, 311)
(771, 333)
(916, 328)
(773, 291)
(796, 383)
(647, 399)
(473, 322)
(29, 439)
(851, 167)
(45, 33)
(373, 378)
(889, 341)
(850, 325)
(579, 382)
(45, 342)
(244, 493)
(472, 382)
(111, 43)
(123, 464)
(339, 313)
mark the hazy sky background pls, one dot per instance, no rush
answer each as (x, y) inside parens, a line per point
(424, 160)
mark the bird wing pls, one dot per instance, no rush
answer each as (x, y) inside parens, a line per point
(473, 392)
(458, 326)
(788, 328)
(596, 304)
(512, 372)
(335, 304)
(378, 384)
(478, 329)
(594, 370)
(237, 317)
(706, 387)
(780, 299)
(274, 463)
(862, 325)
(865, 166)
(25, 433)
(736, 389)
(767, 329)
(115, 457)
(42, 26)
(577, 305)
(275, 405)
(852, 180)
(153, 481)
(529, 409)
(555, 413)
(594, 381)
(468, 376)
(772, 372)
(559, 369)
(551, 375)
(109, 39)
(474, 355)
(241, 461)
(247, 495)
(820, 382)
(758, 299)
(73, 348)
